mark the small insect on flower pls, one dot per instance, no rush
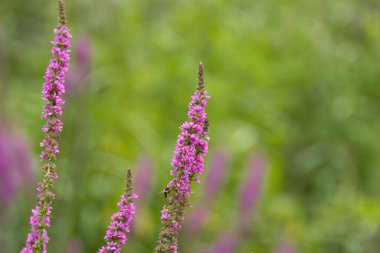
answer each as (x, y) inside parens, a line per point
(206, 127)
(166, 192)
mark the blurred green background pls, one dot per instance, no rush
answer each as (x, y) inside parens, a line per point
(295, 80)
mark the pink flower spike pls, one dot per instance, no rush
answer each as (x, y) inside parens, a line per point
(187, 163)
(121, 220)
(52, 90)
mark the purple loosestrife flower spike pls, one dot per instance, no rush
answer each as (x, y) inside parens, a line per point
(187, 163)
(53, 89)
(121, 220)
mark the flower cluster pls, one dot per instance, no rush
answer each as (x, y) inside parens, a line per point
(187, 163)
(53, 88)
(121, 220)
(52, 91)
(40, 219)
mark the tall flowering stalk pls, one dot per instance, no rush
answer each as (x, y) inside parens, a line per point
(121, 220)
(53, 89)
(187, 163)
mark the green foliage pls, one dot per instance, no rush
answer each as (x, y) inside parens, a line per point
(296, 79)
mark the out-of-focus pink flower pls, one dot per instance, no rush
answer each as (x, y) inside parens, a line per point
(216, 174)
(82, 61)
(143, 178)
(215, 177)
(285, 247)
(251, 188)
(247, 200)
(74, 245)
(15, 165)
(226, 244)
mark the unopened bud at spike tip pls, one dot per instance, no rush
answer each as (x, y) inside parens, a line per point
(128, 182)
(200, 82)
(62, 17)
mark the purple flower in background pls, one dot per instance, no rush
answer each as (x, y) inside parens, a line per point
(187, 163)
(143, 179)
(53, 89)
(248, 197)
(82, 51)
(226, 244)
(15, 165)
(142, 184)
(216, 174)
(74, 245)
(285, 247)
(251, 188)
(214, 179)
(121, 220)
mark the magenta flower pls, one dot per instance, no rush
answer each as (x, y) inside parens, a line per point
(121, 220)
(188, 163)
(53, 89)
